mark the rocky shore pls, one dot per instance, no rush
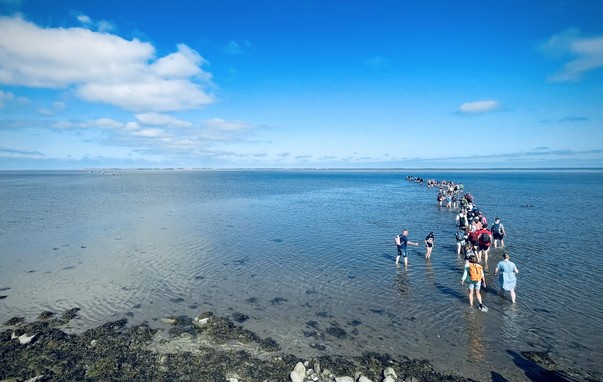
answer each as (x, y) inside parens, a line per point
(205, 348)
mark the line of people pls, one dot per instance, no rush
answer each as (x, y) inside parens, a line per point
(473, 240)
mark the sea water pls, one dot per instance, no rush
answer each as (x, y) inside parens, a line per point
(309, 256)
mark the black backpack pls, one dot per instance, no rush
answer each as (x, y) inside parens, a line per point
(484, 238)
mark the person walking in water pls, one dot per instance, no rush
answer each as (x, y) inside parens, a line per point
(498, 233)
(402, 244)
(484, 239)
(429, 242)
(507, 270)
(474, 276)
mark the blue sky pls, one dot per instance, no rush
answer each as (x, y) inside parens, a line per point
(287, 83)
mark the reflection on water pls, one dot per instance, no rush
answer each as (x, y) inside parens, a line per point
(476, 334)
(402, 282)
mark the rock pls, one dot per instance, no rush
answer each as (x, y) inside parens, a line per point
(364, 379)
(317, 367)
(201, 322)
(169, 320)
(36, 378)
(344, 379)
(24, 339)
(389, 378)
(299, 373)
(389, 372)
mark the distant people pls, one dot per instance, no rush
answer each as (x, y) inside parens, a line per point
(498, 233)
(484, 241)
(474, 276)
(440, 198)
(455, 200)
(507, 270)
(402, 244)
(429, 242)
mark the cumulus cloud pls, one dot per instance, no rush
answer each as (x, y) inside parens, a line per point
(102, 67)
(584, 54)
(163, 133)
(478, 107)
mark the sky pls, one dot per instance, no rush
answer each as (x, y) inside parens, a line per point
(301, 84)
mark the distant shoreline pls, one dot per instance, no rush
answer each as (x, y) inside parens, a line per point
(326, 169)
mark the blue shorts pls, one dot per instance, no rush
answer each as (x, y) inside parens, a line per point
(402, 252)
(474, 285)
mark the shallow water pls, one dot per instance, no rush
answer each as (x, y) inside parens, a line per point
(308, 253)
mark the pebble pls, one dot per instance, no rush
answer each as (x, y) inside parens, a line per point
(299, 373)
(389, 372)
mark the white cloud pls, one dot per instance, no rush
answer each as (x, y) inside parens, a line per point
(149, 133)
(85, 20)
(478, 107)
(102, 67)
(586, 54)
(220, 130)
(224, 125)
(156, 119)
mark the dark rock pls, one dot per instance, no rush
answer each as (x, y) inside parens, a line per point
(240, 317)
(14, 321)
(45, 315)
(337, 332)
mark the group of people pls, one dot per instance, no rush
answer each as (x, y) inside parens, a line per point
(473, 238)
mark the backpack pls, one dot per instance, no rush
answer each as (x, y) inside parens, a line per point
(397, 240)
(497, 228)
(460, 236)
(475, 272)
(484, 238)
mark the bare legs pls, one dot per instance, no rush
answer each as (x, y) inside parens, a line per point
(477, 294)
(511, 292)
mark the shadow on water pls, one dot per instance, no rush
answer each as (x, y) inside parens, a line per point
(451, 291)
(535, 372)
(389, 257)
(497, 377)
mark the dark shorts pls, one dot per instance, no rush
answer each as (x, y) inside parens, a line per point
(496, 236)
(483, 247)
(429, 245)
